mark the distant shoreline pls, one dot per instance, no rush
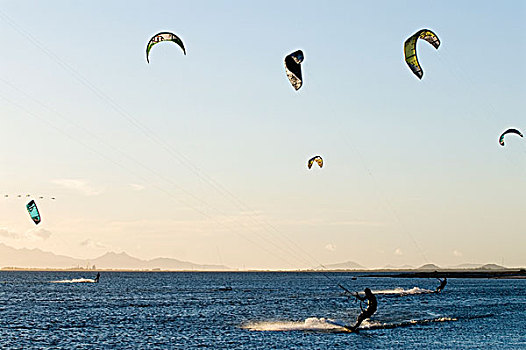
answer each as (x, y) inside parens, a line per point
(518, 273)
(501, 274)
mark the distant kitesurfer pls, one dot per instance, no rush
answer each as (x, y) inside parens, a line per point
(442, 285)
(371, 307)
(97, 278)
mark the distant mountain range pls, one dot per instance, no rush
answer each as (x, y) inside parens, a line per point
(351, 265)
(402, 267)
(468, 266)
(36, 258)
(478, 266)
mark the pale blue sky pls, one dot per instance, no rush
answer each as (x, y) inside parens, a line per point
(405, 159)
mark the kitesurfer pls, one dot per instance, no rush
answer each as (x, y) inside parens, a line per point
(371, 307)
(442, 285)
(97, 278)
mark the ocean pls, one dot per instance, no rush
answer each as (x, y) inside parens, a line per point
(263, 310)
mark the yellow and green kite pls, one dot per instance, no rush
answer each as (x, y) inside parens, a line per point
(410, 49)
(160, 37)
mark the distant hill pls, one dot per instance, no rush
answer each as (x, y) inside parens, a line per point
(429, 267)
(491, 267)
(466, 266)
(479, 266)
(28, 258)
(348, 265)
(113, 260)
(36, 258)
(402, 267)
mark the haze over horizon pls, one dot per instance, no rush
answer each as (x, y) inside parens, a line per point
(202, 157)
(23, 258)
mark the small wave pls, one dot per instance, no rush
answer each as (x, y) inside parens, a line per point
(378, 325)
(222, 289)
(402, 291)
(140, 305)
(76, 280)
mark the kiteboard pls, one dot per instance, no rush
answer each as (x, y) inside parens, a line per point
(347, 327)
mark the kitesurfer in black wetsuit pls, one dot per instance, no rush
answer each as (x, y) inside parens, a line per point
(371, 307)
(442, 285)
(97, 278)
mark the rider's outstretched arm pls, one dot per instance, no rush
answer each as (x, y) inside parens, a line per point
(357, 296)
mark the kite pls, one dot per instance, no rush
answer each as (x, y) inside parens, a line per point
(410, 49)
(293, 68)
(33, 211)
(509, 131)
(316, 159)
(160, 37)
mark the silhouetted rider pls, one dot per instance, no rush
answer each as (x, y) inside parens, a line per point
(442, 285)
(369, 311)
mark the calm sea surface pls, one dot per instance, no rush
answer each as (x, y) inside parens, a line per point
(262, 311)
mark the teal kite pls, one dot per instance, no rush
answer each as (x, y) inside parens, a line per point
(33, 211)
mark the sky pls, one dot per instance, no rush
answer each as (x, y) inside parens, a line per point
(203, 157)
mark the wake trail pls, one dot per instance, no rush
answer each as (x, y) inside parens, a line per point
(327, 325)
(76, 280)
(310, 324)
(402, 291)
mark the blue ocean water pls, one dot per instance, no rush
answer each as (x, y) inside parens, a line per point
(262, 311)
